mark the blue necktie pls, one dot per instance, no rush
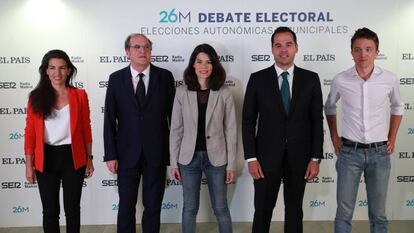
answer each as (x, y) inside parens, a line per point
(140, 90)
(285, 91)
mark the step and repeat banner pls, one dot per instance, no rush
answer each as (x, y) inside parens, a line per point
(93, 33)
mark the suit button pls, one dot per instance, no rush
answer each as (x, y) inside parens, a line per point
(208, 137)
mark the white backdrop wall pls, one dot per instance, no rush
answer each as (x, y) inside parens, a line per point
(93, 32)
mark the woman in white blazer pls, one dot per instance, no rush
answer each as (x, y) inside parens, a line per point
(203, 137)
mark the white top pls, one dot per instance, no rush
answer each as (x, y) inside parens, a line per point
(364, 104)
(57, 127)
(135, 78)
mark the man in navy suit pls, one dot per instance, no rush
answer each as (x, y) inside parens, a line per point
(282, 133)
(138, 107)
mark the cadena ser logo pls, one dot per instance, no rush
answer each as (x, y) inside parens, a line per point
(11, 185)
(260, 57)
(406, 81)
(8, 85)
(405, 179)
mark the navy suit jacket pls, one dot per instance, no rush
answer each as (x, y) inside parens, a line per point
(132, 131)
(267, 129)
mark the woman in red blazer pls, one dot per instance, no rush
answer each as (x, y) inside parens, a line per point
(58, 141)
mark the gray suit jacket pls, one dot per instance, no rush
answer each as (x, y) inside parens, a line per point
(221, 128)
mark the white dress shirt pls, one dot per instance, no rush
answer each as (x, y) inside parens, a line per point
(135, 78)
(364, 104)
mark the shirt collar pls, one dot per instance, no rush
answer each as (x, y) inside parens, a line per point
(376, 72)
(134, 73)
(279, 71)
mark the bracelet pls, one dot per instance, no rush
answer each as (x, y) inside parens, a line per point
(90, 157)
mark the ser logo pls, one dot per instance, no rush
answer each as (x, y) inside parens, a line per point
(406, 81)
(314, 180)
(11, 185)
(405, 179)
(8, 85)
(159, 58)
(103, 84)
(109, 183)
(259, 57)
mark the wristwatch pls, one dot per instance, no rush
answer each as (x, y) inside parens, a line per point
(316, 160)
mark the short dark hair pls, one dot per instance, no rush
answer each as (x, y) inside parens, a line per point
(284, 29)
(218, 75)
(365, 33)
(43, 97)
(128, 39)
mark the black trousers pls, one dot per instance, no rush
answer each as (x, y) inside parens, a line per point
(59, 169)
(153, 179)
(265, 195)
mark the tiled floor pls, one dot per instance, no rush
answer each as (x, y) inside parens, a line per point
(238, 227)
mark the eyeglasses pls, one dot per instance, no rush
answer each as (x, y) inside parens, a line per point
(138, 47)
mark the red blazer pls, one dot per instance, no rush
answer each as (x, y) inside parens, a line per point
(80, 130)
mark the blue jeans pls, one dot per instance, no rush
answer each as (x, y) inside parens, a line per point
(191, 180)
(375, 164)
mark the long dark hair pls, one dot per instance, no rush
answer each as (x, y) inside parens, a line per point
(218, 75)
(43, 97)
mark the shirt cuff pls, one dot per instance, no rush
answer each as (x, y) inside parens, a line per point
(251, 159)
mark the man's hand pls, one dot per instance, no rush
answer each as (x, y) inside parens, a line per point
(230, 177)
(175, 174)
(336, 143)
(112, 166)
(312, 171)
(255, 169)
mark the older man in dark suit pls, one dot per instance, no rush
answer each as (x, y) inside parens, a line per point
(282, 133)
(138, 107)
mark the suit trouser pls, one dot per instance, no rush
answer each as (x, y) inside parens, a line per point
(153, 179)
(58, 164)
(265, 195)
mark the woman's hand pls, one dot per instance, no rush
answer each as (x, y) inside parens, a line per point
(89, 168)
(30, 173)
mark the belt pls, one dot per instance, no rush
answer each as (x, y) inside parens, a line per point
(347, 142)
